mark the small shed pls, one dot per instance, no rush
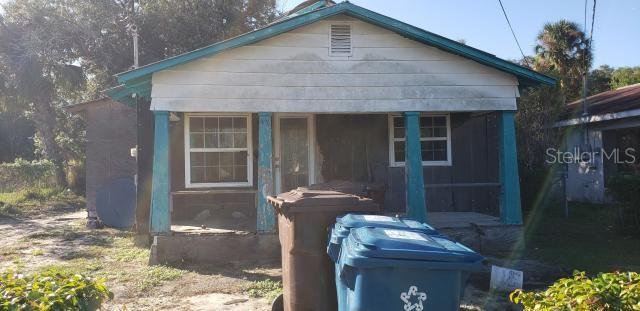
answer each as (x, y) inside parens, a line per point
(603, 143)
(110, 164)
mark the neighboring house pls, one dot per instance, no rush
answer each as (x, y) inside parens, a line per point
(329, 92)
(606, 141)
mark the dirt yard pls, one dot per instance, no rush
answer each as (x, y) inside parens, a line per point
(58, 239)
(62, 242)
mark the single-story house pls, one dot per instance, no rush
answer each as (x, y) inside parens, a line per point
(328, 92)
(604, 140)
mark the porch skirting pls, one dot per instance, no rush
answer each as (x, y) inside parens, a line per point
(218, 248)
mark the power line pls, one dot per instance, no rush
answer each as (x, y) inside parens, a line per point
(524, 58)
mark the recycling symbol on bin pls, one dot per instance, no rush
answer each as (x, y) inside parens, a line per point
(413, 295)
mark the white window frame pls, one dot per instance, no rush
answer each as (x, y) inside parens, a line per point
(392, 160)
(188, 150)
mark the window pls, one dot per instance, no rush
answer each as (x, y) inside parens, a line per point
(340, 40)
(218, 151)
(435, 140)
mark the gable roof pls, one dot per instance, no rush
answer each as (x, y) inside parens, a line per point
(139, 79)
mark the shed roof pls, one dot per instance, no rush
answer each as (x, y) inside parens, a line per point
(623, 102)
(138, 80)
(79, 107)
(620, 99)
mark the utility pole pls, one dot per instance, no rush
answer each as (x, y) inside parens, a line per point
(133, 29)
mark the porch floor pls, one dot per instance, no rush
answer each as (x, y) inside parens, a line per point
(209, 241)
(441, 220)
(199, 230)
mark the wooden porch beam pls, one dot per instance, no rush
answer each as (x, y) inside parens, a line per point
(266, 217)
(160, 189)
(510, 209)
(416, 204)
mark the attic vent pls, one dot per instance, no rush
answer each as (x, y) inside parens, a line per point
(340, 40)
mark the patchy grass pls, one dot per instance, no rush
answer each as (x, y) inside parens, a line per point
(76, 266)
(118, 261)
(268, 288)
(586, 240)
(9, 250)
(35, 201)
(127, 251)
(62, 243)
(155, 275)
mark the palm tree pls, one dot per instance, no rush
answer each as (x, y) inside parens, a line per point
(564, 49)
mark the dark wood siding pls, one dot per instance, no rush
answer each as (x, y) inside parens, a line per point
(355, 148)
(221, 202)
(110, 133)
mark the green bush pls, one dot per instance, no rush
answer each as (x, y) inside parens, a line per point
(607, 291)
(624, 189)
(22, 174)
(52, 290)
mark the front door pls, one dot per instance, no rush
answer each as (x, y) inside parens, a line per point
(294, 153)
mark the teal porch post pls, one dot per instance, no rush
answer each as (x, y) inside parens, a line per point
(160, 214)
(266, 216)
(510, 212)
(416, 204)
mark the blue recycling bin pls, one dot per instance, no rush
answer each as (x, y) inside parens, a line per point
(344, 224)
(347, 222)
(390, 269)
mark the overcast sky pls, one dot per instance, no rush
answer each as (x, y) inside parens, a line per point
(616, 38)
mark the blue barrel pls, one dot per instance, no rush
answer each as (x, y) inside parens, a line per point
(390, 269)
(347, 222)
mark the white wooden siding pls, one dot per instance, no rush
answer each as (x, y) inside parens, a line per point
(293, 72)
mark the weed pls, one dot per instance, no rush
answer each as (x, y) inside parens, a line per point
(9, 250)
(37, 252)
(269, 289)
(154, 276)
(33, 201)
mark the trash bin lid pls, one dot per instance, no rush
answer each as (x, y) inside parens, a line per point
(389, 243)
(351, 220)
(305, 199)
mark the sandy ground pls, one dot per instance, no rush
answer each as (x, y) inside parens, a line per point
(61, 241)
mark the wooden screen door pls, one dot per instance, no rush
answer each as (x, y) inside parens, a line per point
(294, 152)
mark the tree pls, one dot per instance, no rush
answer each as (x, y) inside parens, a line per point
(57, 52)
(40, 62)
(625, 76)
(166, 28)
(15, 128)
(600, 80)
(562, 47)
(538, 110)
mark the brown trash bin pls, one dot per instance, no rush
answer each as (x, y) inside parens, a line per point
(304, 218)
(371, 190)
